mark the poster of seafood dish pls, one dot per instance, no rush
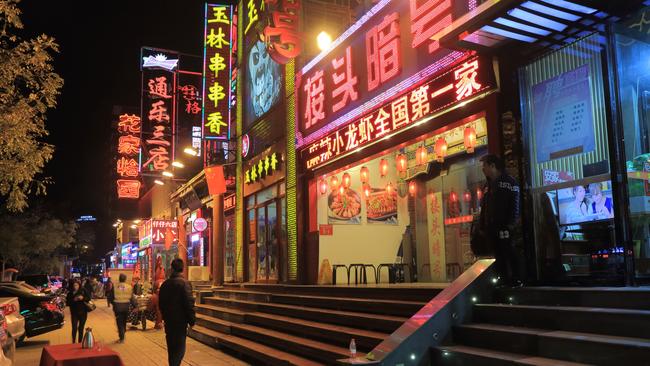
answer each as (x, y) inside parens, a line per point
(381, 207)
(344, 208)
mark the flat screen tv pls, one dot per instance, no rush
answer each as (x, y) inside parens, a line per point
(585, 203)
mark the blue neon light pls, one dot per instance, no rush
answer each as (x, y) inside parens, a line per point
(535, 19)
(571, 6)
(508, 34)
(550, 11)
(523, 27)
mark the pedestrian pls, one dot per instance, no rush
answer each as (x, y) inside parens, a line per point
(121, 302)
(77, 298)
(109, 291)
(137, 287)
(499, 217)
(154, 306)
(177, 308)
(88, 286)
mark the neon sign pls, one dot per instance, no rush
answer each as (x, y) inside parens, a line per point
(264, 167)
(158, 109)
(128, 147)
(217, 71)
(189, 109)
(384, 54)
(466, 80)
(281, 35)
(159, 60)
(162, 228)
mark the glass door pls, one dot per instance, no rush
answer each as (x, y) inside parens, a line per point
(262, 253)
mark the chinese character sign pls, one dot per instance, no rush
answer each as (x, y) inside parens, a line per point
(158, 102)
(281, 34)
(459, 84)
(217, 67)
(389, 49)
(161, 228)
(189, 108)
(128, 149)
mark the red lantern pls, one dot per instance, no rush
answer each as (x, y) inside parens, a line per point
(334, 183)
(401, 163)
(453, 197)
(479, 193)
(383, 167)
(365, 174)
(366, 190)
(441, 149)
(421, 155)
(341, 190)
(412, 188)
(467, 196)
(470, 139)
(323, 186)
(346, 180)
(389, 188)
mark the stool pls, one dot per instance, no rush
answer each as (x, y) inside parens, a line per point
(337, 266)
(359, 267)
(389, 266)
(374, 270)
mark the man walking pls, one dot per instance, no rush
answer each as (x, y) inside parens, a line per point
(122, 299)
(499, 215)
(177, 307)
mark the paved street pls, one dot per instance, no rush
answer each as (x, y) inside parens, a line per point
(140, 348)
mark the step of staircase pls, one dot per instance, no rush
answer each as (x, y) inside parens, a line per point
(263, 354)
(602, 297)
(376, 322)
(464, 355)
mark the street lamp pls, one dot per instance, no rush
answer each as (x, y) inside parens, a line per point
(324, 41)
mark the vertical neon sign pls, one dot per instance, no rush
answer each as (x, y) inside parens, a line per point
(128, 184)
(217, 71)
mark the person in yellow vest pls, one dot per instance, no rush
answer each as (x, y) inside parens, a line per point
(123, 294)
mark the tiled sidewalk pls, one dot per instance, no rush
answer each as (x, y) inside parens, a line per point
(141, 348)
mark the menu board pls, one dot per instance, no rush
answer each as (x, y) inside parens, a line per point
(563, 115)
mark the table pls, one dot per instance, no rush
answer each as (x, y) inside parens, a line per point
(74, 355)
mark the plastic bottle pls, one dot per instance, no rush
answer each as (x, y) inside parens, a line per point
(353, 347)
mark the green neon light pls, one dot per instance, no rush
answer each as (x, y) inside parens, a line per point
(239, 207)
(292, 203)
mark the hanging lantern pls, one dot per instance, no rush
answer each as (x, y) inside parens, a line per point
(412, 188)
(470, 139)
(467, 196)
(364, 174)
(421, 155)
(453, 197)
(341, 190)
(366, 190)
(322, 185)
(383, 167)
(401, 163)
(346, 180)
(479, 193)
(334, 183)
(389, 188)
(441, 149)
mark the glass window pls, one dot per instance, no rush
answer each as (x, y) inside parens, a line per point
(267, 194)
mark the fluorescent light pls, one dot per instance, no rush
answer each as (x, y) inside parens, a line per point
(505, 33)
(167, 174)
(115, 224)
(159, 182)
(178, 164)
(190, 151)
(523, 27)
(550, 11)
(572, 6)
(535, 19)
(134, 226)
(136, 221)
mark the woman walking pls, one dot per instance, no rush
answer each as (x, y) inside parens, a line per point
(77, 298)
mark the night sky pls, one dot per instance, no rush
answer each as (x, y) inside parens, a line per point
(99, 62)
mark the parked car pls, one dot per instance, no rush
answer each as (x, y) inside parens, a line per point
(40, 281)
(7, 342)
(10, 307)
(41, 311)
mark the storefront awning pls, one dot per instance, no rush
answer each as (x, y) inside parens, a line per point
(537, 23)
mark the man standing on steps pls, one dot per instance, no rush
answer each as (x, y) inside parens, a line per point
(499, 216)
(177, 307)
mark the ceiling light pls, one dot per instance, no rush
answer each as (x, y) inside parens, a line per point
(190, 151)
(134, 226)
(178, 164)
(167, 174)
(136, 221)
(159, 182)
(324, 41)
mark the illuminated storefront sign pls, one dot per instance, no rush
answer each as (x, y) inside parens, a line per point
(281, 35)
(129, 255)
(466, 80)
(217, 67)
(229, 202)
(128, 149)
(262, 168)
(158, 106)
(159, 60)
(160, 229)
(189, 109)
(384, 54)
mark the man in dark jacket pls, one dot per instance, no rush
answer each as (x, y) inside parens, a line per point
(177, 307)
(499, 216)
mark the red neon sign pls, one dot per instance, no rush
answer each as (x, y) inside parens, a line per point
(402, 112)
(382, 50)
(158, 110)
(127, 188)
(282, 36)
(127, 168)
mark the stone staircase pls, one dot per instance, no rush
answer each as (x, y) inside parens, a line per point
(303, 325)
(554, 326)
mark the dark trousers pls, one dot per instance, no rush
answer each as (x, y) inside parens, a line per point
(507, 260)
(121, 313)
(78, 323)
(175, 337)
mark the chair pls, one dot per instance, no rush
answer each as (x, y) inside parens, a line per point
(359, 271)
(389, 267)
(374, 270)
(335, 267)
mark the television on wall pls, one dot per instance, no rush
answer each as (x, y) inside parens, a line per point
(585, 203)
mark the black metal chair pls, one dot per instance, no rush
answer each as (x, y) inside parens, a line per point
(336, 267)
(389, 267)
(360, 275)
(374, 270)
